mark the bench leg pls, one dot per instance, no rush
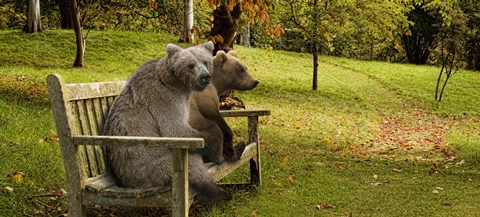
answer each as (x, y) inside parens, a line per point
(180, 202)
(76, 209)
(255, 167)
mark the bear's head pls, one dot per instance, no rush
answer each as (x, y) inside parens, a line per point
(193, 65)
(229, 73)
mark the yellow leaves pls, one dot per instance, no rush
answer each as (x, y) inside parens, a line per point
(17, 177)
(290, 180)
(232, 4)
(285, 159)
(212, 4)
(216, 39)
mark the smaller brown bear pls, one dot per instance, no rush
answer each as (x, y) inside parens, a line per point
(229, 73)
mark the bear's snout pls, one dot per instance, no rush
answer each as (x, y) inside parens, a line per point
(205, 78)
(255, 83)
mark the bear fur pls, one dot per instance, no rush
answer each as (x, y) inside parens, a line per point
(229, 73)
(155, 103)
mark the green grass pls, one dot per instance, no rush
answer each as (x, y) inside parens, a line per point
(317, 147)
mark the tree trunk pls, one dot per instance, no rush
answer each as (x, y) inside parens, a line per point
(245, 36)
(438, 81)
(65, 14)
(225, 25)
(315, 65)
(371, 50)
(77, 27)
(187, 21)
(315, 46)
(34, 23)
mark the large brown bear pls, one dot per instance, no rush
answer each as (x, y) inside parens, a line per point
(229, 73)
(155, 102)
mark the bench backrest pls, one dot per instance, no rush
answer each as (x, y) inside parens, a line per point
(81, 110)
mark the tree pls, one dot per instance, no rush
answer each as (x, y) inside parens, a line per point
(33, 23)
(471, 8)
(421, 37)
(452, 47)
(318, 21)
(65, 14)
(78, 28)
(227, 17)
(187, 20)
(341, 26)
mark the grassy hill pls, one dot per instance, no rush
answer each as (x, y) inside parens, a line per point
(370, 141)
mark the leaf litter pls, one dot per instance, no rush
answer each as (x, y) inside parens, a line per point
(416, 135)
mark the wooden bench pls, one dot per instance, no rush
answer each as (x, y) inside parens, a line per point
(79, 111)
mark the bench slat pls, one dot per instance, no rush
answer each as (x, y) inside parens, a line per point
(244, 113)
(94, 90)
(171, 142)
(218, 172)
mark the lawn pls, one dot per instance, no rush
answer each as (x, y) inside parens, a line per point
(370, 141)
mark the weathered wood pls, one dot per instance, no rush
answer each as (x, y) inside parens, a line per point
(218, 172)
(169, 142)
(105, 185)
(162, 199)
(94, 90)
(255, 166)
(80, 110)
(72, 158)
(245, 113)
(180, 183)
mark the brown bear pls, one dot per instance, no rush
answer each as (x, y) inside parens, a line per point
(155, 103)
(229, 73)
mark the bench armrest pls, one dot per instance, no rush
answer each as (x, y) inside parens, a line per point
(170, 142)
(245, 113)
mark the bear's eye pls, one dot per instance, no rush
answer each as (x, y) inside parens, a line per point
(205, 63)
(191, 66)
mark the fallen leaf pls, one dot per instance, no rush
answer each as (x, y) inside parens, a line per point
(324, 206)
(285, 159)
(397, 170)
(17, 176)
(375, 176)
(52, 138)
(298, 124)
(340, 165)
(375, 184)
(460, 163)
(439, 188)
(253, 214)
(435, 192)
(433, 171)
(8, 190)
(290, 180)
(320, 164)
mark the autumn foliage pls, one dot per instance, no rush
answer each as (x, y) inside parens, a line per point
(227, 18)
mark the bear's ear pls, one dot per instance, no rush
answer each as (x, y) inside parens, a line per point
(221, 55)
(233, 53)
(172, 49)
(209, 46)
